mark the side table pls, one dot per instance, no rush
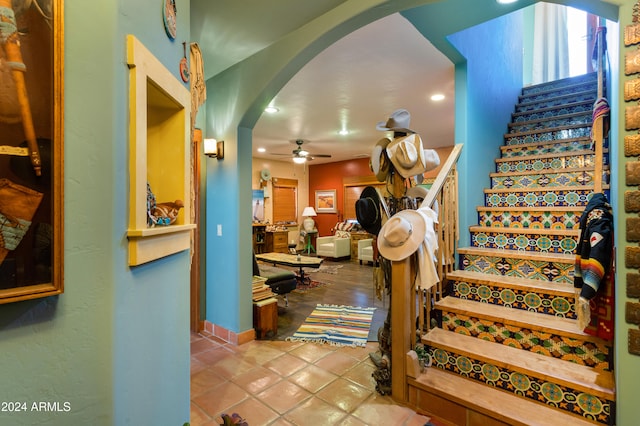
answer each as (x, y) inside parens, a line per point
(265, 318)
(308, 248)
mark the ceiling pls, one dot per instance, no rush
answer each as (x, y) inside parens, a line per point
(354, 83)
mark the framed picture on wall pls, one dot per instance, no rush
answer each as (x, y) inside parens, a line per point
(326, 201)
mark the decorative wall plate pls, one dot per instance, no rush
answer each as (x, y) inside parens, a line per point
(632, 117)
(632, 62)
(169, 16)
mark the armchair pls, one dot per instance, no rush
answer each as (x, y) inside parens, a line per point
(365, 250)
(333, 246)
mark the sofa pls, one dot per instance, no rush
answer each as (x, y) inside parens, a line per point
(282, 281)
(365, 250)
(333, 246)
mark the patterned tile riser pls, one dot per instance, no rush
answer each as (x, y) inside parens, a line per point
(559, 110)
(543, 180)
(578, 132)
(529, 219)
(560, 91)
(545, 87)
(556, 148)
(532, 388)
(558, 272)
(539, 198)
(530, 243)
(589, 96)
(545, 164)
(547, 304)
(537, 341)
(549, 124)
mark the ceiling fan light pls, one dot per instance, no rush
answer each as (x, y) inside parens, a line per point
(299, 160)
(303, 153)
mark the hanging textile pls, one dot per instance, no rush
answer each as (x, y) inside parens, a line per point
(550, 43)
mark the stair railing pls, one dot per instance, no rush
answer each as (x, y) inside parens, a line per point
(597, 130)
(442, 197)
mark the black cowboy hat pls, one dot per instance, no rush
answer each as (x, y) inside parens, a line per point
(368, 210)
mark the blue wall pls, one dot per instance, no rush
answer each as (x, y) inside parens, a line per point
(492, 74)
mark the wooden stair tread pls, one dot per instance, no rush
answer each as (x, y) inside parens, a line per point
(575, 376)
(547, 231)
(546, 155)
(519, 254)
(490, 401)
(561, 289)
(545, 171)
(540, 189)
(550, 324)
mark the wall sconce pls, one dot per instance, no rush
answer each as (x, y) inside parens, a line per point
(214, 148)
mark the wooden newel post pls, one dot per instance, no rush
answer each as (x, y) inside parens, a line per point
(10, 41)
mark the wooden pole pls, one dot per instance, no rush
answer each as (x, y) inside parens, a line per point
(11, 46)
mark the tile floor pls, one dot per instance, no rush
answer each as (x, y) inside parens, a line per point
(289, 383)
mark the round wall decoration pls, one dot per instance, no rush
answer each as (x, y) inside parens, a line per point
(169, 16)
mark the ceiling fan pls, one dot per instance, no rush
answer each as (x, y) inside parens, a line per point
(301, 155)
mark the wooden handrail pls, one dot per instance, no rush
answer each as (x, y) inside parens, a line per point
(597, 130)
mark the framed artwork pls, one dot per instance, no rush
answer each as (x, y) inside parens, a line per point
(31, 149)
(257, 203)
(326, 201)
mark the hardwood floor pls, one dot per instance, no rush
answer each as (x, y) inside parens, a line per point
(352, 285)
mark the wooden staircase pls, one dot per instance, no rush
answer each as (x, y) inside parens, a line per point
(508, 350)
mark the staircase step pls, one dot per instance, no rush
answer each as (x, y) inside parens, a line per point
(559, 196)
(587, 95)
(553, 267)
(542, 334)
(573, 388)
(554, 90)
(428, 390)
(561, 83)
(545, 297)
(566, 108)
(546, 147)
(546, 162)
(557, 133)
(530, 239)
(576, 176)
(530, 217)
(583, 117)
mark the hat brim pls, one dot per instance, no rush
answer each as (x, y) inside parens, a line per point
(418, 168)
(372, 228)
(417, 192)
(379, 160)
(410, 246)
(383, 127)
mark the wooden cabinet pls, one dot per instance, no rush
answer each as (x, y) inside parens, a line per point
(276, 241)
(265, 319)
(355, 237)
(259, 237)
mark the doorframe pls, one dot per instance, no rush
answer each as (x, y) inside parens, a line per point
(194, 318)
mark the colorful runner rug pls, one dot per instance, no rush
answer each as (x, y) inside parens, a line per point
(336, 325)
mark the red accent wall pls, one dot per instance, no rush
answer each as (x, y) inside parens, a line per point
(329, 176)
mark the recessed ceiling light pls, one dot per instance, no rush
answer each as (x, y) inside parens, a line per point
(261, 150)
(299, 160)
(437, 97)
(343, 132)
(271, 109)
(506, 1)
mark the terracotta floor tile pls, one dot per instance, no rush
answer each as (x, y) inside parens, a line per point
(417, 420)
(380, 410)
(361, 374)
(214, 355)
(205, 380)
(254, 412)
(232, 366)
(257, 353)
(281, 422)
(359, 353)
(337, 362)
(256, 380)
(198, 417)
(283, 396)
(197, 365)
(312, 352)
(282, 345)
(354, 421)
(202, 345)
(217, 400)
(344, 394)
(312, 378)
(286, 365)
(315, 412)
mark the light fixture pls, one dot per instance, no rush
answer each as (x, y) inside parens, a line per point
(343, 132)
(506, 1)
(261, 149)
(271, 109)
(437, 97)
(299, 160)
(308, 224)
(214, 148)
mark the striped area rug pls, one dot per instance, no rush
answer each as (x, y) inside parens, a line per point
(336, 325)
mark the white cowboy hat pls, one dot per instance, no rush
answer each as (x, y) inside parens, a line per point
(417, 192)
(401, 235)
(398, 122)
(431, 158)
(407, 155)
(379, 161)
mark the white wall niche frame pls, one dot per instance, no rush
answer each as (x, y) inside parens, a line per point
(159, 153)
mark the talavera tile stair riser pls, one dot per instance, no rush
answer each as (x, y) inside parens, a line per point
(533, 105)
(551, 164)
(559, 272)
(541, 219)
(545, 180)
(553, 345)
(550, 135)
(552, 92)
(532, 242)
(559, 147)
(549, 123)
(542, 113)
(539, 198)
(576, 82)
